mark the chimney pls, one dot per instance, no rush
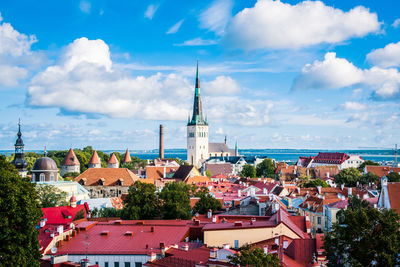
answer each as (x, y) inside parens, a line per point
(209, 213)
(153, 256)
(319, 189)
(265, 191)
(349, 191)
(327, 175)
(265, 249)
(285, 244)
(342, 186)
(239, 193)
(226, 246)
(214, 219)
(213, 253)
(185, 247)
(84, 262)
(161, 150)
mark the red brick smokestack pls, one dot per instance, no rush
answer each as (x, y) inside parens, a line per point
(161, 150)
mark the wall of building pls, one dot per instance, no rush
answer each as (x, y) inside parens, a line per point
(197, 144)
(67, 169)
(353, 161)
(245, 236)
(111, 259)
(101, 191)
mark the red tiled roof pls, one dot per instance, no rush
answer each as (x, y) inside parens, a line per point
(95, 158)
(218, 169)
(110, 176)
(127, 157)
(394, 193)
(304, 161)
(64, 214)
(330, 158)
(157, 172)
(119, 243)
(381, 170)
(70, 159)
(113, 159)
(181, 258)
(197, 180)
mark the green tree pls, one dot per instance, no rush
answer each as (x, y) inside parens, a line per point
(20, 214)
(176, 201)
(248, 171)
(364, 236)
(266, 169)
(369, 178)
(349, 177)
(79, 215)
(109, 213)
(208, 173)
(71, 174)
(393, 177)
(206, 202)
(365, 163)
(254, 257)
(316, 182)
(50, 196)
(141, 202)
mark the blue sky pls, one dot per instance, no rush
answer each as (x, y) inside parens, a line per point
(274, 74)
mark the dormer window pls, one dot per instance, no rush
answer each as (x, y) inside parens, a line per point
(101, 181)
(120, 182)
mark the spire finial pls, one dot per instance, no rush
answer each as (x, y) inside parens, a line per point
(19, 128)
(45, 152)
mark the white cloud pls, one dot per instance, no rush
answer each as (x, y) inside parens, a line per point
(15, 55)
(150, 11)
(85, 6)
(175, 28)
(396, 23)
(216, 16)
(222, 85)
(275, 25)
(332, 73)
(389, 56)
(197, 42)
(219, 131)
(353, 106)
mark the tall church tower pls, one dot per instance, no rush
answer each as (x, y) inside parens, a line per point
(19, 161)
(197, 130)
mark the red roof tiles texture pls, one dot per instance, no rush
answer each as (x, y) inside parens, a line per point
(70, 159)
(95, 158)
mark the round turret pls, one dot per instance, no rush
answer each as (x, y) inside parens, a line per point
(44, 170)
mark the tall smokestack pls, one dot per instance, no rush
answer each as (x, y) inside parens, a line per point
(161, 150)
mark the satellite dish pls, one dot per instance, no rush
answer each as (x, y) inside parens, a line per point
(53, 250)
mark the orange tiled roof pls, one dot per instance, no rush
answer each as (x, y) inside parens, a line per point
(394, 193)
(381, 170)
(110, 176)
(95, 158)
(127, 157)
(197, 179)
(157, 172)
(113, 159)
(70, 159)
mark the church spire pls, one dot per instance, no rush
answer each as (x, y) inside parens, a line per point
(197, 118)
(19, 160)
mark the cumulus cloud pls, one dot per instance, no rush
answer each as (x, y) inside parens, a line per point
(197, 42)
(275, 25)
(396, 23)
(353, 106)
(216, 16)
(15, 54)
(175, 28)
(389, 56)
(150, 11)
(222, 85)
(332, 73)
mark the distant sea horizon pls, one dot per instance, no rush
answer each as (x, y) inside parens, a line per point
(383, 156)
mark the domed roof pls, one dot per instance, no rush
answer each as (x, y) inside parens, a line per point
(45, 163)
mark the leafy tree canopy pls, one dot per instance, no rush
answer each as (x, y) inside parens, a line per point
(254, 257)
(364, 236)
(349, 177)
(248, 171)
(208, 173)
(176, 201)
(316, 182)
(393, 177)
(20, 213)
(266, 168)
(206, 202)
(141, 202)
(50, 196)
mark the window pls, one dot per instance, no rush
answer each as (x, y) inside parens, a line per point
(116, 264)
(51, 176)
(42, 177)
(106, 264)
(319, 220)
(236, 243)
(33, 177)
(127, 264)
(138, 264)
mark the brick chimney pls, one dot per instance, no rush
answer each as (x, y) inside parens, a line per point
(161, 150)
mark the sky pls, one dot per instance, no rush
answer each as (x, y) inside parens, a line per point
(273, 74)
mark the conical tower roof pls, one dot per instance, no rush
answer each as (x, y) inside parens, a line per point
(113, 159)
(95, 158)
(70, 159)
(197, 117)
(127, 157)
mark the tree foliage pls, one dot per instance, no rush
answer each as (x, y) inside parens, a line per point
(349, 177)
(20, 213)
(50, 196)
(393, 177)
(105, 213)
(208, 173)
(363, 236)
(79, 215)
(254, 257)
(206, 202)
(248, 171)
(141, 202)
(316, 182)
(176, 201)
(266, 169)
